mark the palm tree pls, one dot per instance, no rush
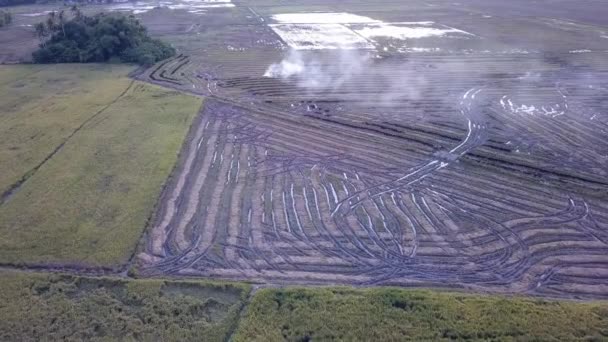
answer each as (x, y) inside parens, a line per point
(61, 18)
(41, 32)
(5, 18)
(76, 12)
(51, 21)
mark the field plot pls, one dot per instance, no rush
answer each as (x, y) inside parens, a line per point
(85, 151)
(316, 31)
(453, 148)
(58, 307)
(385, 314)
(35, 120)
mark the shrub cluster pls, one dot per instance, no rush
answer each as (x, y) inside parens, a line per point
(99, 38)
(5, 18)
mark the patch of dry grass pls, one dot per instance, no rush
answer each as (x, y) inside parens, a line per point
(39, 307)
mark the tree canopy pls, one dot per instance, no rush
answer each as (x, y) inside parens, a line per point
(98, 38)
(5, 18)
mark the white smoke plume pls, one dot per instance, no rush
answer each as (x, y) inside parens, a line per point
(336, 69)
(314, 72)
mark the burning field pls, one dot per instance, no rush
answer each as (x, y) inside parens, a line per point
(409, 147)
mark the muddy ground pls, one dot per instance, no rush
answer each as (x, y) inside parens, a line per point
(472, 159)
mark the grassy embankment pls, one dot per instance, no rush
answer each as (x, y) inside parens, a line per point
(92, 149)
(386, 314)
(39, 307)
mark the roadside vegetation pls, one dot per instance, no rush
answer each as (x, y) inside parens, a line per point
(72, 37)
(39, 307)
(390, 314)
(89, 150)
(5, 18)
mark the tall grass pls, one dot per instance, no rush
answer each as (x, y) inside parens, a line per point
(39, 307)
(388, 314)
(89, 203)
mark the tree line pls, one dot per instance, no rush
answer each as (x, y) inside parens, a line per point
(26, 2)
(5, 18)
(16, 2)
(72, 37)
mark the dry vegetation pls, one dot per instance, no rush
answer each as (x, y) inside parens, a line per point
(39, 307)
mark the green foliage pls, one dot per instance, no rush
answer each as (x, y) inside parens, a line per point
(387, 314)
(5, 18)
(38, 307)
(99, 38)
(89, 203)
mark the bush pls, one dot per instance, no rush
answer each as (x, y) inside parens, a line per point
(99, 38)
(5, 18)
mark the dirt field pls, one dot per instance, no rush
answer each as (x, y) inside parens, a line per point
(420, 143)
(436, 144)
(441, 145)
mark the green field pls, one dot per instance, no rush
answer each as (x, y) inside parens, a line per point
(38, 307)
(387, 314)
(41, 106)
(89, 150)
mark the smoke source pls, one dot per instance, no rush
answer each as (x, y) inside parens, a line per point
(329, 70)
(334, 70)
